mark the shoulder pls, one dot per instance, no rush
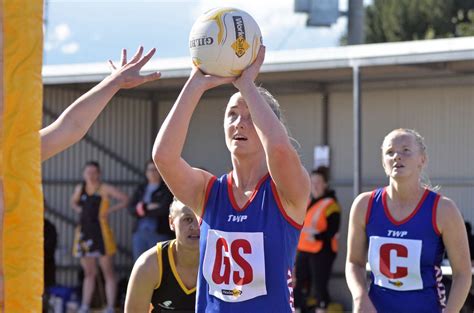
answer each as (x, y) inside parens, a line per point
(446, 208)
(78, 189)
(108, 189)
(105, 186)
(147, 265)
(448, 215)
(362, 201)
(360, 207)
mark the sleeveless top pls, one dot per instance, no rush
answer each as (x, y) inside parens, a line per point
(405, 256)
(93, 236)
(246, 254)
(171, 294)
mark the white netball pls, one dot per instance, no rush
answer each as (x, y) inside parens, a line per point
(224, 41)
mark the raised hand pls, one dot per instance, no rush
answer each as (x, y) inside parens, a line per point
(205, 81)
(250, 73)
(128, 74)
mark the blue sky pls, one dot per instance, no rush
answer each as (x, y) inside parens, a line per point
(94, 31)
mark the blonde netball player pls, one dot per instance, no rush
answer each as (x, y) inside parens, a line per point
(403, 230)
(252, 216)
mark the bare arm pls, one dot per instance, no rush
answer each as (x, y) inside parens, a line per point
(453, 231)
(291, 179)
(143, 280)
(186, 183)
(116, 194)
(74, 202)
(76, 120)
(357, 255)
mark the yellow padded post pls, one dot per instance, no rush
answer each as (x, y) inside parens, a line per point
(21, 199)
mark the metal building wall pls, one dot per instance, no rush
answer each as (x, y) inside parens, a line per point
(120, 141)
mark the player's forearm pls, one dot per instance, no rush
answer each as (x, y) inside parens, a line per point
(84, 111)
(269, 128)
(356, 280)
(76, 120)
(121, 205)
(458, 293)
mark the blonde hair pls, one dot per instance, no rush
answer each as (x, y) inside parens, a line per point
(425, 181)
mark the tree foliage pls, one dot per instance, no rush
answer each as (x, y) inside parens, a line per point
(402, 20)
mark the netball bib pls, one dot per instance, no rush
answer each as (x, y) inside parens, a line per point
(395, 263)
(234, 265)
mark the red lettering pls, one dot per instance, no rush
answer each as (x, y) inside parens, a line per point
(221, 259)
(401, 251)
(248, 272)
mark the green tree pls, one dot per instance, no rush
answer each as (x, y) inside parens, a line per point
(402, 20)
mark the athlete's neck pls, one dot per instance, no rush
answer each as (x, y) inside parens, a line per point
(405, 193)
(92, 185)
(185, 256)
(245, 176)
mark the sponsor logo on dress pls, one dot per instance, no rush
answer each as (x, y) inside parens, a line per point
(166, 305)
(234, 292)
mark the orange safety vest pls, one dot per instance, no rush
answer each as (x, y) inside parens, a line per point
(316, 222)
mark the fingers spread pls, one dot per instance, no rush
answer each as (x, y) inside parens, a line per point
(112, 65)
(147, 57)
(124, 57)
(137, 55)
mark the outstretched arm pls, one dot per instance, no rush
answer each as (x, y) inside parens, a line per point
(76, 120)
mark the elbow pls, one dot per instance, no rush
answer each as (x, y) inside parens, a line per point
(161, 157)
(280, 152)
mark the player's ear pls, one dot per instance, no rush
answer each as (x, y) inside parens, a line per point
(170, 221)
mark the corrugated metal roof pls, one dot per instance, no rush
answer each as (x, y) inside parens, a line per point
(410, 52)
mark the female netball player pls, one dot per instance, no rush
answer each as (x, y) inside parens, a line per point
(252, 216)
(165, 276)
(403, 230)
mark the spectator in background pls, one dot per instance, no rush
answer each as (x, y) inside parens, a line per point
(94, 239)
(317, 247)
(150, 205)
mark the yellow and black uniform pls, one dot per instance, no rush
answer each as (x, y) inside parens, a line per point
(93, 236)
(170, 293)
(317, 249)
